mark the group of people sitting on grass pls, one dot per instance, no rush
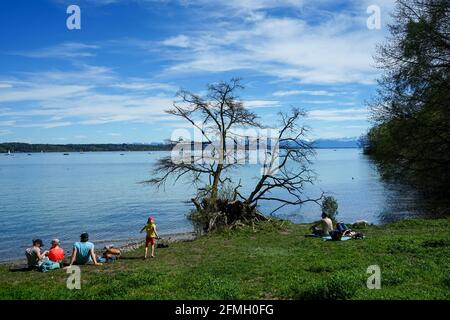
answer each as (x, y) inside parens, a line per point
(324, 228)
(82, 251)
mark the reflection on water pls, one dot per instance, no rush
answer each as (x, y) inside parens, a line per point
(54, 195)
(403, 201)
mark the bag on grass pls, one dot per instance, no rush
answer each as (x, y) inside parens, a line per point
(162, 245)
(49, 265)
(335, 235)
(341, 227)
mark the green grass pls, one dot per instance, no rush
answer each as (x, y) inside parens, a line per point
(272, 261)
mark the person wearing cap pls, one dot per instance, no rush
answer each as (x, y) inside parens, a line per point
(150, 228)
(34, 255)
(56, 253)
(83, 251)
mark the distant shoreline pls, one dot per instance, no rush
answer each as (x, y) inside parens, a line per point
(14, 147)
(98, 151)
(19, 147)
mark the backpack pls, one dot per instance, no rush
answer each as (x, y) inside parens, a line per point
(49, 265)
(336, 235)
(341, 227)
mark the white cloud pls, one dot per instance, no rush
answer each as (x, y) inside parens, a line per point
(285, 93)
(67, 50)
(350, 114)
(84, 73)
(23, 140)
(261, 103)
(355, 127)
(319, 101)
(331, 48)
(142, 85)
(45, 125)
(4, 132)
(337, 50)
(180, 41)
(35, 92)
(246, 6)
(52, 99)
(8, 123)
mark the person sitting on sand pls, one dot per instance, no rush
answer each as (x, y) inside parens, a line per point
(150, 228)
(56, 253)
(34, 255)
(325, 224)
(83, 251)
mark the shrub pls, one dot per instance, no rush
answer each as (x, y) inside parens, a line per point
(330, 207)
(199, 219)
(223, 212)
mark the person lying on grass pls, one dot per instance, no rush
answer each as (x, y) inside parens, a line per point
(150, 228)
(83, 251)
(325, 224)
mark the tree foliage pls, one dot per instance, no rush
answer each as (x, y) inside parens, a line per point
(330, 207)
(411, 136)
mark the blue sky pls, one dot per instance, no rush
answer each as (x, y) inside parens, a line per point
(112, 80)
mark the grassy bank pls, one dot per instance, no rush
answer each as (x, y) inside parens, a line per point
(272, 261)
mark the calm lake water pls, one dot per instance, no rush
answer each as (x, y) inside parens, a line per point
(50, 195)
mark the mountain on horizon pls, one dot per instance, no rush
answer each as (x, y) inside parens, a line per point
(337, 143)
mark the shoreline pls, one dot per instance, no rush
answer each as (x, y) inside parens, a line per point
(133, 243)
(130, 244)
(125, 245)
(245, 266)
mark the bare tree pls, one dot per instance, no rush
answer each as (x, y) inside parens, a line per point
(214, 117)
(219, 117)
(287, 167)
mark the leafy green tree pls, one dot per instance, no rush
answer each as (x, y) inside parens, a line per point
(411, 136)
(330, 207)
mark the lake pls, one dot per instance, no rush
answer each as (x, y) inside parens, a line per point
(50, 195)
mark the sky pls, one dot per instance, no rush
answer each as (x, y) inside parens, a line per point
(112, 80)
